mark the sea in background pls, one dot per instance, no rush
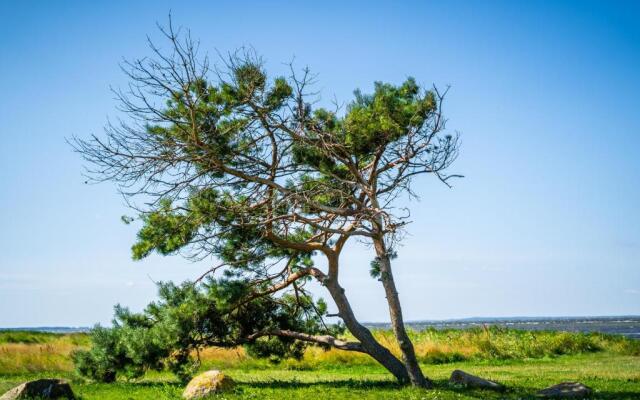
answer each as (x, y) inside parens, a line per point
(622, 325)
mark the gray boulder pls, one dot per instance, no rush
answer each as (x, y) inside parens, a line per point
(566, 390)
(41, 389)
(459, 377)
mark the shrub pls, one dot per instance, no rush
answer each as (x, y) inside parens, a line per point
(191, 317)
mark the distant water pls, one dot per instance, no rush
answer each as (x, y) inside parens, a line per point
(622, 325)
(50, 329)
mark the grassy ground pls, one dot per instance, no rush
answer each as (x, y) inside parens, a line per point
(612, 377)
(524, 362)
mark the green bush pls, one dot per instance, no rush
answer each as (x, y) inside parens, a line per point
(189, 317)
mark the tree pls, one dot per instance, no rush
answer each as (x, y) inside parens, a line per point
(233, 165)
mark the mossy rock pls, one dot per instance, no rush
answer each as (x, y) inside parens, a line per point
(208, 383)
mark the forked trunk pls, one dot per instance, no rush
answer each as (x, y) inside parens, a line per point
(380, 353)
(397, 323)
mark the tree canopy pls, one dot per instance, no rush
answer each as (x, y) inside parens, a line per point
(227, 163)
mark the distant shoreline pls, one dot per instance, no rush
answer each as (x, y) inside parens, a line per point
(627, 325)
(519, 319)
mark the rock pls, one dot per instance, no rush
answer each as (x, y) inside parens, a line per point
(207, 383)
(42, 389)
(459, 377)
(566, 390)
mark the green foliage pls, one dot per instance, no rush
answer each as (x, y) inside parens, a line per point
(239, 240)
(386, 115)
(163, 231)
(211, 126)
(375, 268)
(11, 336)
(189, 317)
(500, 343)
(105, 359)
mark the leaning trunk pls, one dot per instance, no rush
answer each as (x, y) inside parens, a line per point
(380, 353)
(397, 323)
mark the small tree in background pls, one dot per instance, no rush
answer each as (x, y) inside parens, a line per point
(233, 165)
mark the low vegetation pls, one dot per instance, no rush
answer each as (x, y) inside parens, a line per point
(611, 376)
(35, 352)
(32, 352)
(484, 345)
(524, 361)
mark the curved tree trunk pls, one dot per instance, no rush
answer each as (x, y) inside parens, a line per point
(360, 332)
(397, 323)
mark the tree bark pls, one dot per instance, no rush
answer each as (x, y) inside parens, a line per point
(367, 343)
(416, 376)
(371, 346)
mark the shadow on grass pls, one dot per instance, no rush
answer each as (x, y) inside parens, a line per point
(442, 386)
(527, 392)
(150, 384)
(337, 384)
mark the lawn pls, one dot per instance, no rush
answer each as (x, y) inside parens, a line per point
(612, 370)
(612, 377)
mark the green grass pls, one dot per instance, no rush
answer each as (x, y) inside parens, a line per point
(26, 337)
(29, 337)
(612, 377)
(523, 361)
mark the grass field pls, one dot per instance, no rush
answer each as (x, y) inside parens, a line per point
(523, 361)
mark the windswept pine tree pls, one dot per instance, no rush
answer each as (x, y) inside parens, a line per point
(229, 164)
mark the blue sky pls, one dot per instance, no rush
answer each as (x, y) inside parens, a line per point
(545, 94)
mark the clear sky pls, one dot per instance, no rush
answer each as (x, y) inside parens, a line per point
(546, 221)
